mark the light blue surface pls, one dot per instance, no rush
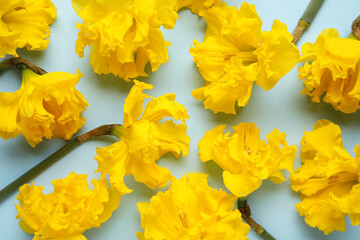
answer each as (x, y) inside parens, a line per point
(282, 107)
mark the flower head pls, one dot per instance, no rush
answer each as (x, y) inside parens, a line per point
(190, 209)
(68, 211)
(144, 140)
(124, 35)
(331, 70)
(25, 23)
(245, 158)
(45, 106)
(328, 180)
(235, 54)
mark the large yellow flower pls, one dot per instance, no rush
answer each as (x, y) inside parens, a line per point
(68, 211)
(190, 209)
(235, 54)
(25, 23)
(144, 140)
(245, 158)
(328, 180)
(45, 106)
(124, 35)
(331, 71)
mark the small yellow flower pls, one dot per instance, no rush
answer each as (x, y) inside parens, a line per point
(68, 211)
(124, 35)
(245, 158)
(328, 180)
(45, 106)
(25, 23)
(198, 6)
(144, 140)
(190, 209)
(331, 71)
(235, 54)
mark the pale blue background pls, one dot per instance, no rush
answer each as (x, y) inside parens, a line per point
(282, 107)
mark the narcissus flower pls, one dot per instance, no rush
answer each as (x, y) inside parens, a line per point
(144, 140)
(190, 209)
(198, 6)
(235, 54)
(331, 71)
(45, 106)
(245, 158)
(68, 211)
(328, 180)
(25, 23)
(124, 35)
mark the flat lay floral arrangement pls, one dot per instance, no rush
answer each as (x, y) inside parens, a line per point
(179, 119)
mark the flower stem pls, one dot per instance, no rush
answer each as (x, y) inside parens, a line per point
(246, 215)
(16, 61)
(99, 131)
(306, 19)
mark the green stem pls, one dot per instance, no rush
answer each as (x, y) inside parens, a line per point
(37, 169)
(306, 19)
(246, 215)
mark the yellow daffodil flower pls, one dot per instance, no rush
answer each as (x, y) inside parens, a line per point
(25, 23)
(331, 71)
(45, 106)
(328, 180)
(235, 54)
(124, 35)
(198, 7)
(144, 140)
(245, 158)
(68, 211)
(190, 209)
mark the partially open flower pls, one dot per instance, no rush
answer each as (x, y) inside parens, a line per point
(124, 35)
(144, 140)
(235, 54)
(245, 158)
(190, 209)
(328, 180)
(25, 23)
(331, 71)
(68, 211)
(45, 106)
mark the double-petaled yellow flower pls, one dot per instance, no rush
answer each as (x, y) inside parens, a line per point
(328, 180)
(245, 158)
(190, 209)
(124, 35)
(235, 54)
(144, 140)
(45, 106)
(68, 211)
(331, 71)
(25, 23)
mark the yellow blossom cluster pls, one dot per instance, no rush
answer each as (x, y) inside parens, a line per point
(25, 23)
(45, 106)
(245, 158)
(124, 35)
(68, 211)
(235, 54)
(190, 209)
(328, 180)
(144, 140)
(331, 70)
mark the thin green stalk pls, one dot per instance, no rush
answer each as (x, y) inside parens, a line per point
(306, 19)
(246, 215)
(37, 169)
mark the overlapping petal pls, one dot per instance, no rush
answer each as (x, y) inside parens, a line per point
(199, 7)
(190, 209)
(245, 158)
(45, 106)
(144, 139)
(328, 180)
(69, 210)
(25, 23)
